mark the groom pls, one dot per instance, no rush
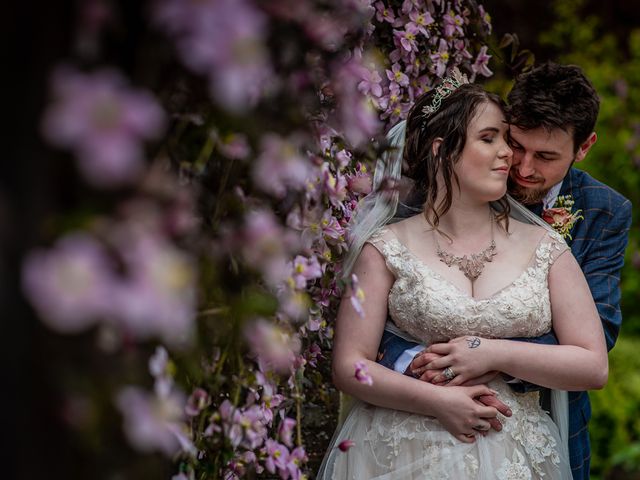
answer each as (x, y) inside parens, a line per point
(552, 114)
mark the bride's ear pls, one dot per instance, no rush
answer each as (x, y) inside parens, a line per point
(435, 146)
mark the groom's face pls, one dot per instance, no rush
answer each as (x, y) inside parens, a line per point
(541, 159)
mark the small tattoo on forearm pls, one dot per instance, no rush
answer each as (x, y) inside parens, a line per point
(473, 342)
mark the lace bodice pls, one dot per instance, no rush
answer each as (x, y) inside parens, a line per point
(430, 308)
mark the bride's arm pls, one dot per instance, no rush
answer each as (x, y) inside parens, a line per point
(578, 363)
(357, 339)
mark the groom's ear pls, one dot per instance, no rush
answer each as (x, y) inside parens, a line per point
(586, 146)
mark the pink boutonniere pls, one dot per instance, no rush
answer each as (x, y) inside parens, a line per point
(560, 216)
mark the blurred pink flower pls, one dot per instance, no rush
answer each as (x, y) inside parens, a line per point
(486, 19)
(305, 269)
(197, 401)
(266, 245)
(277, 458)
(160, 371)
(280, 165)
(224, 40)
(441, 58)
(158, 295)
(452, 24)
(370, 83)
(274, 347)
(335, 185)
(346, 445)
(362, 373)
(360, 182)
(481, 65)
(154, 423)
(104, 122)
(356, 298)
(296, 459)
(235, 146)
(285, 431)
(71, 285)
(356, 114)
(384, 13)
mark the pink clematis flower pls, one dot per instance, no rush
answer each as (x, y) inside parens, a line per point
(274, 347)
(224, 40)
(154, 423)
(158, 296)
(481, 65)
(280, 166)
(305, 269)
(441, 58)
(362, 373)
(384, 13)
(396, 75)
(285, 431)
(420, 20)
(104, 122)
(71, 284)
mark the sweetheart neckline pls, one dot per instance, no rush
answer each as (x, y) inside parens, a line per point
(461, 292)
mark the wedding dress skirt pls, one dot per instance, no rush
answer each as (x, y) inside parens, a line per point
(391, 444)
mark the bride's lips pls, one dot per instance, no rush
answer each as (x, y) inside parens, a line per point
(504, 169)
(523, 181)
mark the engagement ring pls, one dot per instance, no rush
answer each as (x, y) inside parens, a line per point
(448, 373)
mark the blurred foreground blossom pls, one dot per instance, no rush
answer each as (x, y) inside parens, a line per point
(274, 347)
(356, 113)
(280, 166)
(481, 65)
(266, 245)
(357, 295)
(224, 40)
(71, 285)
(104, 122)
(76, 283)
(362, 373)
(346, 445)
(158, 296)
(153, 422)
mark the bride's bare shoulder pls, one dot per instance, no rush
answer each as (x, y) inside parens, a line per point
(405, 229)
(520, 231)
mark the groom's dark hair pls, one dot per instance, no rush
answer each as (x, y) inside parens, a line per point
(554, 96)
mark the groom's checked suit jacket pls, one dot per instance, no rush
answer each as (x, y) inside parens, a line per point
(598, 243)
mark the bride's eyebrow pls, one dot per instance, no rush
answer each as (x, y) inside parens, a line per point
(489, 130)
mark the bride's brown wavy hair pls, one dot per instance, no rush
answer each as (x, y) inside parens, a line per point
(450, 123)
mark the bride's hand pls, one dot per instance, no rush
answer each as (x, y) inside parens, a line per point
(466, 358)
(461, 415)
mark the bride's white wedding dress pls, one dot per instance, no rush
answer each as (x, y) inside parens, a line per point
(391, 444)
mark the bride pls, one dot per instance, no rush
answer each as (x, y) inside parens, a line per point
(468, 270)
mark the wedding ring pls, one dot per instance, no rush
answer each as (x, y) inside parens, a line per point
(448, 373)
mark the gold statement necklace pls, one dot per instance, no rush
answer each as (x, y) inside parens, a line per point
(472, 265)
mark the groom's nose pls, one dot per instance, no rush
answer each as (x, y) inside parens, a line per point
(525, 165)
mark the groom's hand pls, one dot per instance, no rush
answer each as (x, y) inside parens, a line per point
(493, 401)
(417, 367)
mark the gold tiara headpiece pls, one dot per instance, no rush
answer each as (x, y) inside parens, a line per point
(447, 87)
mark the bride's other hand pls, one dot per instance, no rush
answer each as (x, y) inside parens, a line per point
(466, 358)
(463, 416)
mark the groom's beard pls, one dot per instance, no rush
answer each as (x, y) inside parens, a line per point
(526, 196)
